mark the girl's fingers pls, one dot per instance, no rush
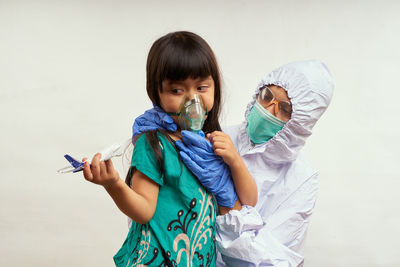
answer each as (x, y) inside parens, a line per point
(109, 166)
(103, 169)
(95, 166)
(210, 136)
(216, 133)
(220, 152)
(219, 139)
(96, 157)
(87, 173)
(220, 144)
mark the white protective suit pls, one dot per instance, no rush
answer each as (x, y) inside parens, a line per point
(273, 233)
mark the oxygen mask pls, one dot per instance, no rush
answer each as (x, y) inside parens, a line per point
(192, 113)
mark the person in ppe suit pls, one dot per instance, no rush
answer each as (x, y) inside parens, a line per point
(284, 108)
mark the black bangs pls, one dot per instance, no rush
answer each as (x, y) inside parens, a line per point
(183, 58)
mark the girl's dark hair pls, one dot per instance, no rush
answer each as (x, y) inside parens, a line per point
(176, 57)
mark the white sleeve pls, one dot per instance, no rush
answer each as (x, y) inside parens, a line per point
(245, 239)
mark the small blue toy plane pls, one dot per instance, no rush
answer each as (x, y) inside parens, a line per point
(115, 150)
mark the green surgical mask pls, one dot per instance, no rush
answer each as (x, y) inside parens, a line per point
(262, 125)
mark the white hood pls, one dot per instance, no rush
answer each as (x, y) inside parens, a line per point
(309, 85)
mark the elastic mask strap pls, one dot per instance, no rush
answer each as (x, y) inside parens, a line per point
(173, 113)
(179, 113)
(205, 108)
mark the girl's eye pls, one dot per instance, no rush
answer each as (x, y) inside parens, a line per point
(176, 91)
(202, 88)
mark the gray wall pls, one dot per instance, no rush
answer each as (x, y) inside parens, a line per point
(73, 80)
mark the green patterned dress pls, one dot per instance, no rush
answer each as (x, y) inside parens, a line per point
(182, 231)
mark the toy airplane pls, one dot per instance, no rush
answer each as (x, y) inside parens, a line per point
(115, 150)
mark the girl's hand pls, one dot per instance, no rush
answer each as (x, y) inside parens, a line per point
(223, 147)
(245, 185)
(210, 169)
(100, 172)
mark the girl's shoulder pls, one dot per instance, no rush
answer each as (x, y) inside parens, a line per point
(151, 139)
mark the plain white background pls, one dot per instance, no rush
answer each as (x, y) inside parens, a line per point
(72, 80)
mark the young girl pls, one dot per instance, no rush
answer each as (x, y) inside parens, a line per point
(173, 214)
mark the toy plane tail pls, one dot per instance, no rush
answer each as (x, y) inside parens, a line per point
(78, 165)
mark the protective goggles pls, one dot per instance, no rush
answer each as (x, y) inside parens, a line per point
(283, 109)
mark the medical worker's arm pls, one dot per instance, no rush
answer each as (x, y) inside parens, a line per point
(245, 238)
(245, 185)
(138, 203)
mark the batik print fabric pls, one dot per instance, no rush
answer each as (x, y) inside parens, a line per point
(182, 230)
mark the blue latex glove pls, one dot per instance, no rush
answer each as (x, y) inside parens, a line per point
(153, 119)
(211, 170)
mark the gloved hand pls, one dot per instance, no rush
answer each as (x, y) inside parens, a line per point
(153, 119)
(213, 173)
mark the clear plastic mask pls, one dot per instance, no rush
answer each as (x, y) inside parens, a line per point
(192, 114)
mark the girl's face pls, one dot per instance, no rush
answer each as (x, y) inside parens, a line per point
(174, 92)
